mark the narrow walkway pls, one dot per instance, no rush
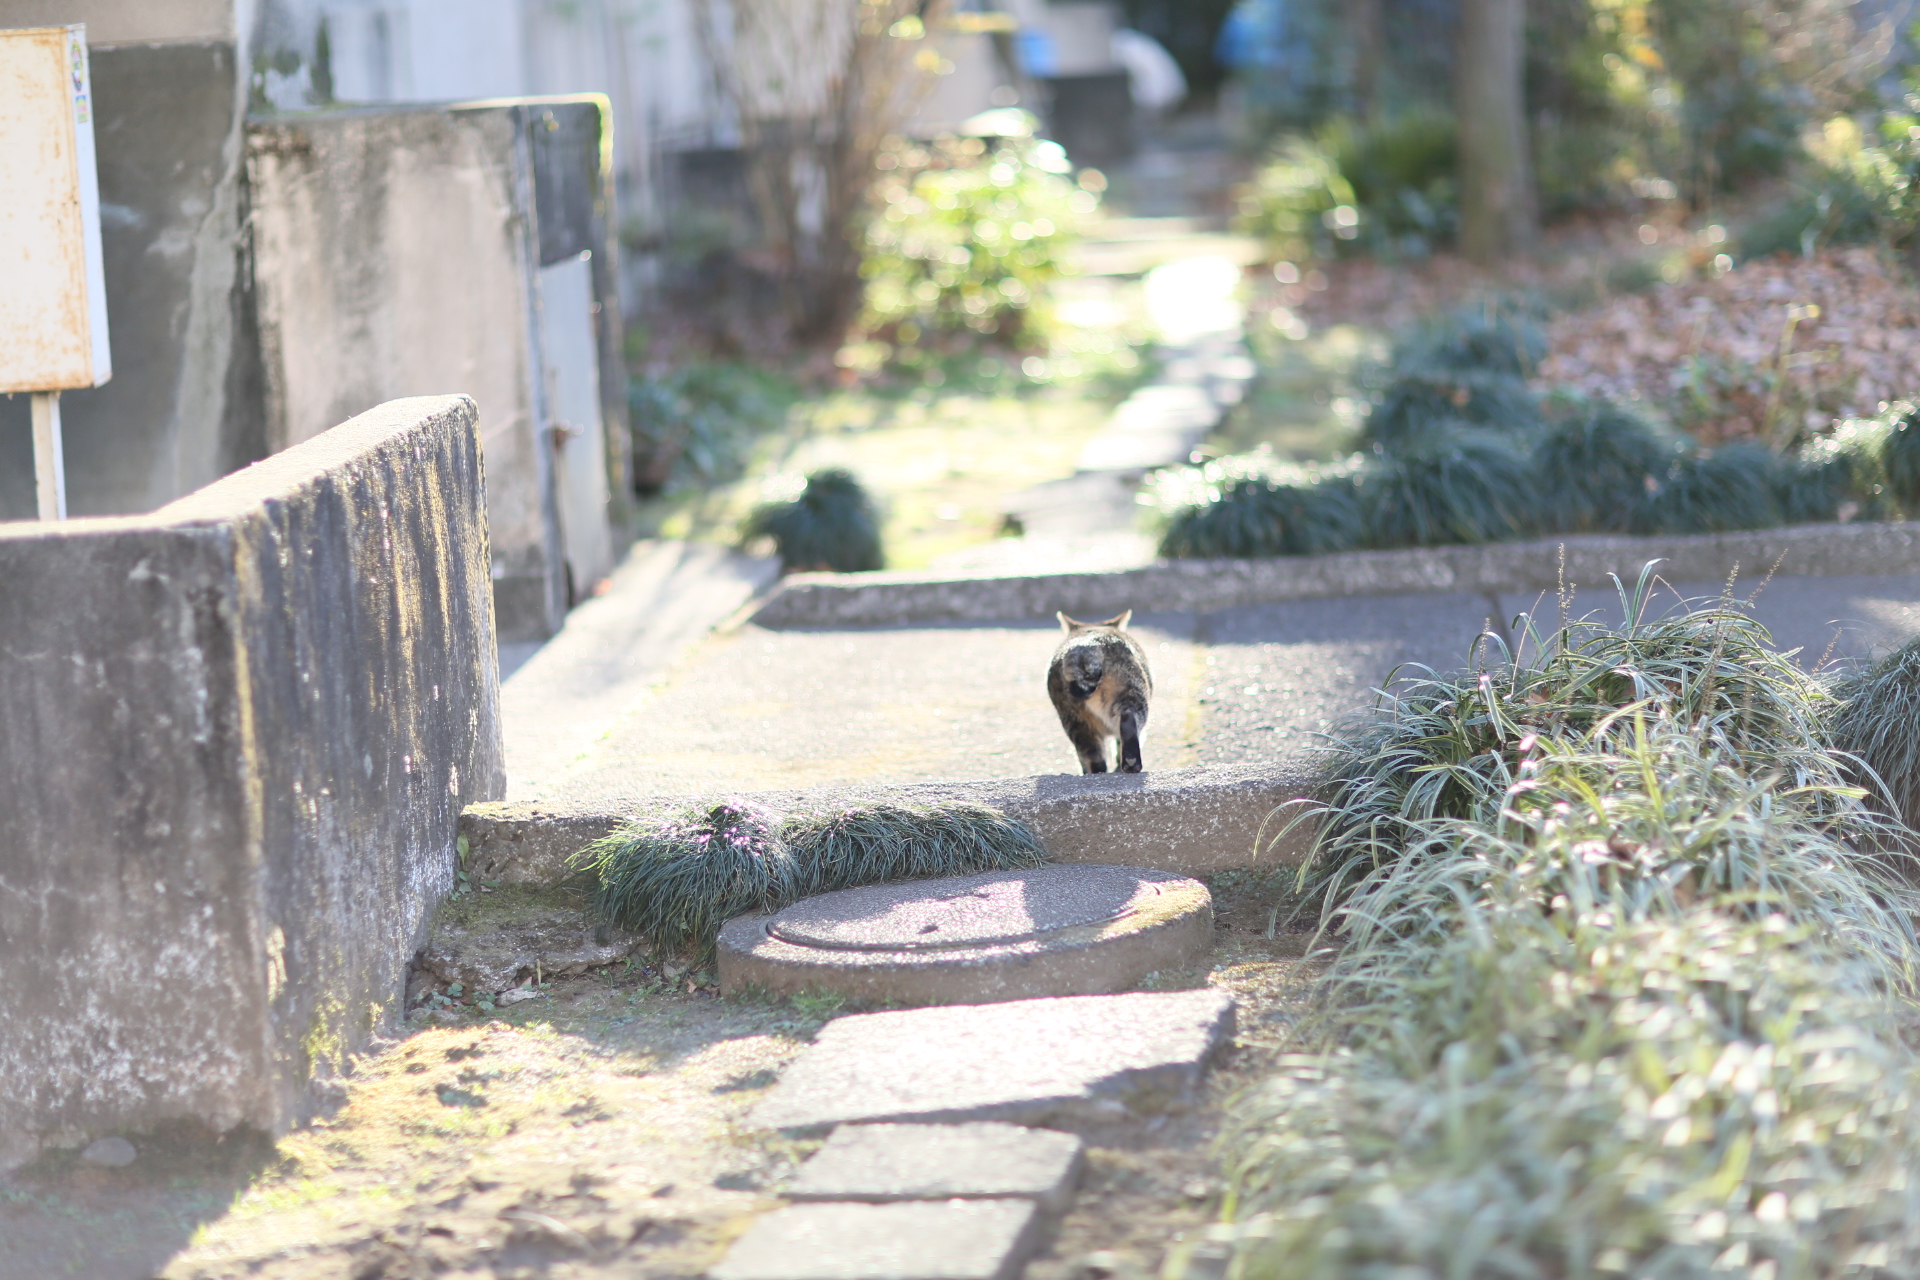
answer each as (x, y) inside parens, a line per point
(605, 717)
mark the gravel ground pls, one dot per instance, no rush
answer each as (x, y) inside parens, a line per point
(597, 1133)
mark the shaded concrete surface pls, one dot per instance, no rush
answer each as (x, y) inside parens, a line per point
(1832, 621)
(565, 699)
(1278, 676)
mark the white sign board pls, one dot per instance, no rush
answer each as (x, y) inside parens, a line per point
(53, 292)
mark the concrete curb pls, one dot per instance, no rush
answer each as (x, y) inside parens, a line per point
(892, 598)
(1188, 821)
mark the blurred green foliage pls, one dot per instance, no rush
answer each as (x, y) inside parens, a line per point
(971, 233)
(831, 524)
(695, 426)
(1460, 450)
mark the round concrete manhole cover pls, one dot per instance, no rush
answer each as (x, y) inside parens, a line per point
(992, 909)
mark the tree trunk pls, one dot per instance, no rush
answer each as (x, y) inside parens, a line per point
(1498, 213)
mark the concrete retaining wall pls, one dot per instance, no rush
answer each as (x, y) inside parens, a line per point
(853, 599)
(238, 734)
(1187, 821)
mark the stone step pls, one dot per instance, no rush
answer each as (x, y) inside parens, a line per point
(1067, 1062)
(886, 1162)
(1001, 935)
(914, 1240)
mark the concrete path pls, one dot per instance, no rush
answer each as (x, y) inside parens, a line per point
(630, 703)
(561, 699)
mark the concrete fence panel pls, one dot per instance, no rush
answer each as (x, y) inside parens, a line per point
(235, 739)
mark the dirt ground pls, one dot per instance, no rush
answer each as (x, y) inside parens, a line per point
(596, 1133)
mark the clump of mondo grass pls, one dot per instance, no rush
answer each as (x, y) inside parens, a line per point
(1450, 747)
(676, 879)
(831, 525)
(1594, 467)
(1252, 506)
(1876, 721)
(1491, 337)
(873, 843)
(1423, 402)
(1736, 486)
(1452, 487)
(1650, 1018)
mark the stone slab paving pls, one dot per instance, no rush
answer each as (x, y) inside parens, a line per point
(1068, 1061)
(999, 935)
(886, 1162)
(917, 1240)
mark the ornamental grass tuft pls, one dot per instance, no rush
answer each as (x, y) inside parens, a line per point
(1594, 468)
(1454, 486)
(1736, 486)
(676, 879)
(1877, 723)
(831, 525)
(1419, 403)
(1251, 506)
(1623, 992)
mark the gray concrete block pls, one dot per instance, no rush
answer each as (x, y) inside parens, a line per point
(884, 1162)
(239, 732)
(892, 597)
(1186, 821)
(490, 941)
(1064, 1062)
(1000, 935)
(957, 1240)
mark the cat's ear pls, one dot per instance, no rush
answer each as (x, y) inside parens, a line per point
(1119, 623)
(1068, 624)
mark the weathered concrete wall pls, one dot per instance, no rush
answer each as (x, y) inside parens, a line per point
(395, 253)
(239, 733)
(181, 410)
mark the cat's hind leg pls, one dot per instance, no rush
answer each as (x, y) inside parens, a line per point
(1088, 745)
(1130, 726)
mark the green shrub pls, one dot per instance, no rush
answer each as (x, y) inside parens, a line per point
(1736, 486)
(962, 257)
(678, 878)
(1594, 467)
(1899, 454)
(1385, 188)
(1251, 507)
(831, 525)
(1493, 337)
(1420, 403)
(1451, 486)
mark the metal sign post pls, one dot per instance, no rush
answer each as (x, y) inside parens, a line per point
(53, 292)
